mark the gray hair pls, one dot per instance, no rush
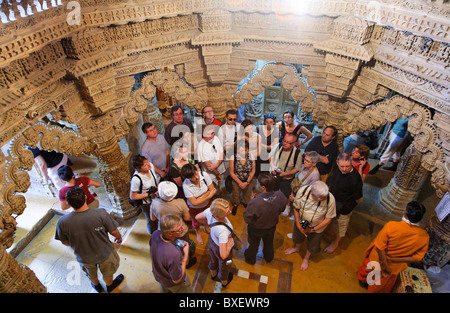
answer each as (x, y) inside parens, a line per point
(320, 189)
(344, 157)
(169, 222)
(313, 155)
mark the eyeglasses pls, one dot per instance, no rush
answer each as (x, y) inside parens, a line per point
(289, 143)
(179, 230)
(232, 119)
(214, 147)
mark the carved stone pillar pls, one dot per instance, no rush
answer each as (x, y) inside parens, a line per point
(113, 167)
(153, 115)
(17, 278)
(337, 117)
(406, 183)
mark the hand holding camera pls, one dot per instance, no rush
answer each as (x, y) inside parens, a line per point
(277, 172)
(152, 192)
(188, 251)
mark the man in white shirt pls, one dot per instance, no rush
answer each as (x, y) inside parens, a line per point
(229, 133)
(210, 154)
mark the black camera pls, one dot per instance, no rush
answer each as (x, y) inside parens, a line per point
(304, 224)
(152, 189)
(179, 243)
(277, 172)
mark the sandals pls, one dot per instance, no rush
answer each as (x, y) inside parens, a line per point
(230, 278)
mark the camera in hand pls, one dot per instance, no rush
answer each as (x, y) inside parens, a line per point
(304, 224)
(179, 243)
(152, 189)
(277, 172)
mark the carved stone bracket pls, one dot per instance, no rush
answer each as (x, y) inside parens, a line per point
(346, 50)
(217, 41)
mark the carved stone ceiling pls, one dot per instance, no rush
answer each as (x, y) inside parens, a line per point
(77, 62)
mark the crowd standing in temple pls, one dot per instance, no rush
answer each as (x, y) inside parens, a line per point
(181, 175)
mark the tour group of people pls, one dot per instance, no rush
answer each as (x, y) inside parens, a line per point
(181, 180)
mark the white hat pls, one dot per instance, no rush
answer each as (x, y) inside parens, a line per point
(167, 190)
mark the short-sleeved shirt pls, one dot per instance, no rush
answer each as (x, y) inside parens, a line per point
(87, 234)
(51, 158)
(332, 150)
(280, 160)
(190, 190)
(229, 133)
(314, 211)
(172, 133)
(346, 189)
(400, 127)
(147, 181)
(176, 207)
(399, 239)
(311, 178)
(211, 151)
(166, 260)
(220, 233)
(82, 181)
(156, 152)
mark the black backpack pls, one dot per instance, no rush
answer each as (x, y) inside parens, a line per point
(139, 202)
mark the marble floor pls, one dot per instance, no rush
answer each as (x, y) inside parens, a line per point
(56, 267)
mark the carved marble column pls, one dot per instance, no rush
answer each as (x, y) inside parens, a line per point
(17, 278)
(406, 184)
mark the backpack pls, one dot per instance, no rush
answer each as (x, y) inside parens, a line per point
(139, 202)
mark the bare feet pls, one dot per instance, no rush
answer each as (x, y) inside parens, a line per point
(199, 237)
(305, 264)
(331, 248)
(291, 251)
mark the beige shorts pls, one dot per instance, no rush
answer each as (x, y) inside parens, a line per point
(107, 267)
(342, 224)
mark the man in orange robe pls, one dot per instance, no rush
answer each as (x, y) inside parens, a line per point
(397, 244)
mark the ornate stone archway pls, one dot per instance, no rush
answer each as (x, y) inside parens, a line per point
(15, 179)
(426, 140)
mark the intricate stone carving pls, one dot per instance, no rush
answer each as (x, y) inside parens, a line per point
(82, 74)
(20, 159)
(17, 278)
(407, 181)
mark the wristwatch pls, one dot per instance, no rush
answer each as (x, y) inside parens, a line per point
(313, 229)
